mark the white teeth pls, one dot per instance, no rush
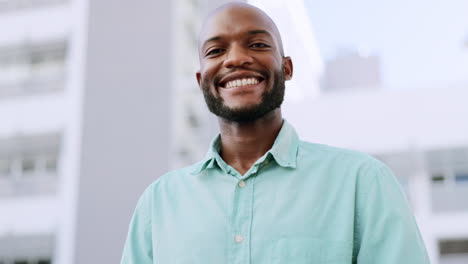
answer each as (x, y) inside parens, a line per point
(241, 82)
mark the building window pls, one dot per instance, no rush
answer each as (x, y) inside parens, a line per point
(453, 246)
(51, 163)
(449, 176)
(29, 164)
(461, 177)
(453, 251)
(438, 178)
(14, 5)
(26, 249)
(32, 68)
(31, 260)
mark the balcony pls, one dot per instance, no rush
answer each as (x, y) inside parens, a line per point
(29, 165)
(15, 5)
(32, 68)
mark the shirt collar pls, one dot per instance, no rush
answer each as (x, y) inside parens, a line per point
(284, 150)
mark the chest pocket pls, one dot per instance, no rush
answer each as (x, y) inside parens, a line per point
(311, 251)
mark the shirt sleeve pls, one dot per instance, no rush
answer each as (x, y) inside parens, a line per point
(387, 230)
(138, 248)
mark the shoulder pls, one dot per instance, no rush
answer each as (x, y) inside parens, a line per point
(356, 167)
(173, 178)
(336, 155)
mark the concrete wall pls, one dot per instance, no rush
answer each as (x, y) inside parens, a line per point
(125, 120)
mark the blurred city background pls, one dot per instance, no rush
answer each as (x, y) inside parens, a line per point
(99, 98)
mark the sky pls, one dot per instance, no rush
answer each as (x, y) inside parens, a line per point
(420, 42)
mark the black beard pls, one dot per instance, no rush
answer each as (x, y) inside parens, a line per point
(271, 99)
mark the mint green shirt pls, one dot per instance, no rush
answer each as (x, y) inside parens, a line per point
(299, 203)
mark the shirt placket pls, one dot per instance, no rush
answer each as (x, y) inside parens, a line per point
(242, 217)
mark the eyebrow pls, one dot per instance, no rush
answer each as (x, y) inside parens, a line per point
(258, 31)
(250, 32)
(210, 40)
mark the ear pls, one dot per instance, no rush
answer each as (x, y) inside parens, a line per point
(287, 68)
(198, 78)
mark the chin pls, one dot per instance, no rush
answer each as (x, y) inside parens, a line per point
(244, 105)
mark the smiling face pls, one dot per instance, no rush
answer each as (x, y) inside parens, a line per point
(242, 69)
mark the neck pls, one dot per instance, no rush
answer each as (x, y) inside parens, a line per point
(244, 143)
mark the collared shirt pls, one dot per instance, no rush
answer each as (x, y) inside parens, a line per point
(299, 203)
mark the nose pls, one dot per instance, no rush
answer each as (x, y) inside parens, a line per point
(236, 57)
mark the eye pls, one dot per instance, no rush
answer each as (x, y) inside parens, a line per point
(213, 52)
(259, 45)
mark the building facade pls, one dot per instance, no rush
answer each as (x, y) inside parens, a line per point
(34, 51)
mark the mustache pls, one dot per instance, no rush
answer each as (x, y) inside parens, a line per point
(218, 77)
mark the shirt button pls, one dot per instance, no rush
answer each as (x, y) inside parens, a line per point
(239, 238)
(242, 184)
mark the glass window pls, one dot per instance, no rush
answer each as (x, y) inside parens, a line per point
(32, 67)
(461, 177)
(28, 165)
(453, 246)
(453, 251)
(438, 178)
(15, 5)
(51, 164)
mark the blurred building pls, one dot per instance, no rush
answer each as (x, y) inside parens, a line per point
(422, 136)
(352, 71)
(93, 109)
(78, 104)
(33, 56)
(193, 126)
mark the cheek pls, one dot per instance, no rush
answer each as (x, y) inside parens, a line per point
(206, 76)
(209, 69)
(273, 64)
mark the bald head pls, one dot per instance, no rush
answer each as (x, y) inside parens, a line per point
(229, 15)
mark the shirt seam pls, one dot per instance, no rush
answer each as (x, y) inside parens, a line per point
(365, 204)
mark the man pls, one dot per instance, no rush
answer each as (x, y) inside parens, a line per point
(261, 195)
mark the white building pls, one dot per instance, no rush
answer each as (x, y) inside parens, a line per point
(87, 95)
(352, 71)
(33, 114)
(80, 133)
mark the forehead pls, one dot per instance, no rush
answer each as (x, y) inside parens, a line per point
(236, 21)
